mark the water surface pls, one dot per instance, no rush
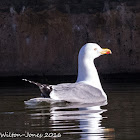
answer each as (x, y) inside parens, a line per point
(119, 119)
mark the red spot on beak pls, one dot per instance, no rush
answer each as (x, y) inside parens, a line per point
(108, 52)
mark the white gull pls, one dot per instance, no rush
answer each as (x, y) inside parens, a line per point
(87, 88)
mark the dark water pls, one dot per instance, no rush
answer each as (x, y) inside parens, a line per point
(119, 119)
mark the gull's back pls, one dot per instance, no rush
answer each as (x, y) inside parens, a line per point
(77, 92)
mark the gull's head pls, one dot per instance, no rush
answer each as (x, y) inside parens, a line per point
(92, 51)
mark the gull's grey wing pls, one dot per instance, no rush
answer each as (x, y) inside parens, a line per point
(76, 92)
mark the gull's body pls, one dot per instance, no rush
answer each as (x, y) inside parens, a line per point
(77, 92)
(87, 88)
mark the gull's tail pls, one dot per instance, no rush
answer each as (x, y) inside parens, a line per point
(32, 82)
(45, 89)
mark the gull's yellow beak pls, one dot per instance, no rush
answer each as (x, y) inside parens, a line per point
(106, 51)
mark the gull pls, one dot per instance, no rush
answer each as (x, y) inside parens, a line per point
(87, 88)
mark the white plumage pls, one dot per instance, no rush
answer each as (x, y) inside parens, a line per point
(87, 88)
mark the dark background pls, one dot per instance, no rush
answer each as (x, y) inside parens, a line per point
(43, 37)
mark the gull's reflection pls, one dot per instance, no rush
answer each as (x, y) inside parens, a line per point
(70, 118)
(88, 117)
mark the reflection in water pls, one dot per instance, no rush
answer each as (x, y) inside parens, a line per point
(119, 119)
(70, 118)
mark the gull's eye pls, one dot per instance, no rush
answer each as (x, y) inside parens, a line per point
(95, 49)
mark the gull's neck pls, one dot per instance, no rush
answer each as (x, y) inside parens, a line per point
(87, 73)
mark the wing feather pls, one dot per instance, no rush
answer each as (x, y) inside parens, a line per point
(76, 92)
